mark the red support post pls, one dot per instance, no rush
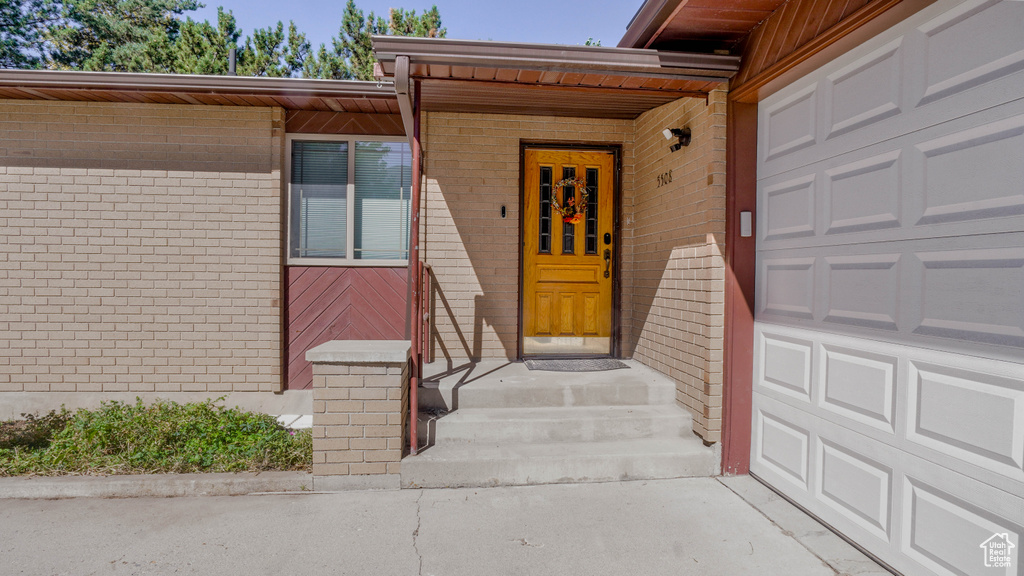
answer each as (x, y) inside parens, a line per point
(416, 322)
(741, 259)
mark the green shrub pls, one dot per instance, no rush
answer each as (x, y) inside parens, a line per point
(120, 438)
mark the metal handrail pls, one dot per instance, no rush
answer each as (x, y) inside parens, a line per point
(427, 285)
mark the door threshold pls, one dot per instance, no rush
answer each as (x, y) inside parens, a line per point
(525, 357)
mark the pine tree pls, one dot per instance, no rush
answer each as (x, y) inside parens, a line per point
(22, 23)
(116, 35)
(351, 54)
(150, 36)
(202, 48)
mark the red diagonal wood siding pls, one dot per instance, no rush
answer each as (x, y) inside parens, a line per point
(311, 122)
(340, 304)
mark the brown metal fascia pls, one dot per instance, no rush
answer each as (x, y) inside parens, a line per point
(647, 21)
(554, 57)
(136, 82)
(404, 90)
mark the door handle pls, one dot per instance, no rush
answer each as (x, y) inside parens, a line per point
(607, 262)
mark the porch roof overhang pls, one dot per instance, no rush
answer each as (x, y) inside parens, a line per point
(288, 93)
(702, 25)
(547, 79)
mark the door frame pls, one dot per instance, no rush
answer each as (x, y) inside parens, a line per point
(616, 151)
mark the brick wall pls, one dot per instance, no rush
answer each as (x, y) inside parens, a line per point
(140, 247)
(676, 270)
(472, 169)
(359, 418)
(672, 266)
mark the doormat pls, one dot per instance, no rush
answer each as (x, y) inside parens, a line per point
(581, 365)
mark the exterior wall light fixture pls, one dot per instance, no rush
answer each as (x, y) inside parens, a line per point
(682, 134)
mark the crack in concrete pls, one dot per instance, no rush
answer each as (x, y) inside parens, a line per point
(416, 533)
(785, 532)
(869, 563)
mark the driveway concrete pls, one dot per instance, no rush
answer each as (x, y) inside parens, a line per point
(685, 526)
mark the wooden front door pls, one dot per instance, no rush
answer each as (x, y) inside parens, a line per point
(568, 252)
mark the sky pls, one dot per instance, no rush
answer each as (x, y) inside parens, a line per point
(542, 21)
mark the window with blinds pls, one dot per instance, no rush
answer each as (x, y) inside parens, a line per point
(383, 186)
(319, 199)
(350, 200)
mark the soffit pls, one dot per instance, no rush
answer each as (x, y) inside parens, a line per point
(699, 25)
(288, 93)
(514, 78)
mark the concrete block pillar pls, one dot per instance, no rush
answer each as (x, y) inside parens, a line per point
(360, 399)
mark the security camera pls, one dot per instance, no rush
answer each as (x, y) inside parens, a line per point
(683, 134)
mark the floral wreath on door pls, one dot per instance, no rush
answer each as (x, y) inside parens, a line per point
(569, 210)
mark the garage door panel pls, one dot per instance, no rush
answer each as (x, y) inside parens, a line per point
(855, 485)
(853, 480)
(852, 381)
(964, 412)
(963, 177)
(862, 290)
(964, 297)
(944, 532)
(782, 447)
(866, 91)
(976, 416)
(973, 174)
(905, 80)
(863, 195)
(916, 515)
(790, 125)
(972, 295)
(952, 65)
(785, 364)
(788, 287)
(859, 385)
(789, 208)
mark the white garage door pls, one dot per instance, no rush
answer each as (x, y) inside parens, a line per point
(889, 351)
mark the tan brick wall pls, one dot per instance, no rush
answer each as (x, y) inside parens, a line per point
(472, 169)
(141, 247)
(359, 418)
(676, 271)
(672, 266)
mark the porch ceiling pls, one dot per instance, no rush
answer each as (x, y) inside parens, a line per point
(288, 93)
(702, 25)
(512, 78)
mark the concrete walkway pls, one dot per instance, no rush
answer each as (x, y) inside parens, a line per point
(686, 526)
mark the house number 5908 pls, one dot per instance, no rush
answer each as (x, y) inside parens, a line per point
(664, 179)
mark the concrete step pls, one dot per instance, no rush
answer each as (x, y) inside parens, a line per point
(515, 463)
(516, 387)
(577, 424)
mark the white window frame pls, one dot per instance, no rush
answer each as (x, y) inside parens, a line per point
(349, 260)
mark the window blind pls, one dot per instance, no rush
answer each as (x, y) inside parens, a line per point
(383, 182)
(319, 199)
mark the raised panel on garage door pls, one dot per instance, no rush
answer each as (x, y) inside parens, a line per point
(888, 394)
